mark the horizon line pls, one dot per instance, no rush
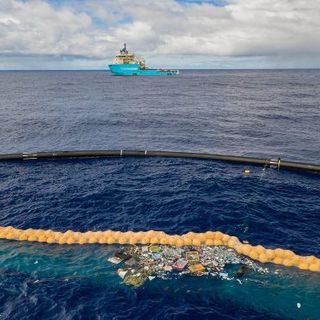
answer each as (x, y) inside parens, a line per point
(185, 69)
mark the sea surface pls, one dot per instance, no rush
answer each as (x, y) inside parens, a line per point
(270, 114)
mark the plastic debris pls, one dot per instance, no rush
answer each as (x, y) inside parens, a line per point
(155, 249)
(115, 260)
(242, 270)
(223, 275)
(131, 262)
(156, 256)
(167, 268)
(298, 305)
(196, 268)
(144, 248)
(180, 264)
(142, 263)
(123, 255)
(192, 256)
(122, 273)
(135, 280)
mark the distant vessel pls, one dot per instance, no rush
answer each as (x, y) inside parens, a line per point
(127, 64)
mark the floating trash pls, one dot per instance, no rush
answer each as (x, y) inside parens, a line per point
(192, 256)
(115, 260)
(180, 264)
(167, 268)
(155, 249)
(242, 271)
(142, 263)
(197, 268)
(122, 273)
(135, 280)
(131, 262)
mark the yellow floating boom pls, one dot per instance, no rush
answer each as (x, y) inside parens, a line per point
(277, 256)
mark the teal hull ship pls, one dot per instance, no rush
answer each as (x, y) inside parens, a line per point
(127, 64)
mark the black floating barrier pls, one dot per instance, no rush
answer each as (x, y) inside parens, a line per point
(279, 163)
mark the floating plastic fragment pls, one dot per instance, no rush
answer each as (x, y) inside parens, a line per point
(135, 280)
(144, 248)
(224, 275)
(122, 273)
(180, 264)
(155, 249)
(131, 262)
(123, 254)
(167, 268)
(192, 256)
(156, 256)
(115, 260)
(196, 268)
(242, 271)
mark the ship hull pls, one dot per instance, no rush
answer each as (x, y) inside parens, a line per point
(134, 70)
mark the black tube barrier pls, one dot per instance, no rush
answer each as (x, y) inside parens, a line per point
(279, 163)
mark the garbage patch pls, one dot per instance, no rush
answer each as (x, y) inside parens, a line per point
(137, 264)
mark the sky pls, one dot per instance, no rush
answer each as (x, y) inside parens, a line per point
(216, 34)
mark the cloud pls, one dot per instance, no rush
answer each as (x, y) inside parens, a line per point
(36, 28)
(272, 31)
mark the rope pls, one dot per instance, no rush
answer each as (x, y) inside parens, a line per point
(277, 256)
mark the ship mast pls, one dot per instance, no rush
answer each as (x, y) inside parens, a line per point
(124, 50)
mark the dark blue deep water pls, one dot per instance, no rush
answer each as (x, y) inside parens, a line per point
(258, 113)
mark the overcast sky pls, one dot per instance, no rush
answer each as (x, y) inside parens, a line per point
(86, 34)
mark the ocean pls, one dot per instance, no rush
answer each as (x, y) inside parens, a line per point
(263, 113)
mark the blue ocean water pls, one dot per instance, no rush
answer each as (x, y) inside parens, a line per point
(257, 113)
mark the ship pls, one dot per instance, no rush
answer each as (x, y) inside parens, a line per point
(127, 64)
